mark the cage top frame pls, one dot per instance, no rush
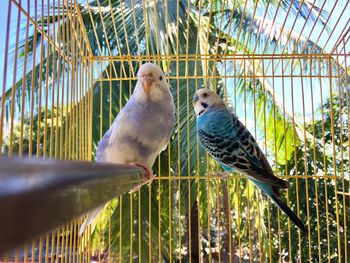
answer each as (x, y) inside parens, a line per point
(316, 22)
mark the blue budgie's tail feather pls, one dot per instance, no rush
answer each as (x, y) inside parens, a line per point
(283, 206)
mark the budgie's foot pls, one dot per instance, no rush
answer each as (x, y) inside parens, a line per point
(148, 180)
(223, 175)
(149, 172)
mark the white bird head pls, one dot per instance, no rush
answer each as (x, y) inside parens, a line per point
(151, 83)
(205, 98)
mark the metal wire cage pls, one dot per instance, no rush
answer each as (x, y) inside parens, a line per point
(69, 66)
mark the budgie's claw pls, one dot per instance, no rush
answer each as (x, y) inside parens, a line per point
(223, 175)
(148, 180)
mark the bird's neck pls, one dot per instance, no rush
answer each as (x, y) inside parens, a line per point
(155, 95)
(209, 111)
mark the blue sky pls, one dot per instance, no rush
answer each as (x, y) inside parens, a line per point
(3, 7)
(3, 21)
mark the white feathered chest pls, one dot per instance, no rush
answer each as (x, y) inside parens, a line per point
(139, 133)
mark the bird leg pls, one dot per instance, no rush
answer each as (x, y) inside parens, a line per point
(223, 175)
(149, 179)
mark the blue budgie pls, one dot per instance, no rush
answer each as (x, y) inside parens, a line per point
(230, 143)
(142, 128)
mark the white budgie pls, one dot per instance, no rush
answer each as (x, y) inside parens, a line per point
(142, 128)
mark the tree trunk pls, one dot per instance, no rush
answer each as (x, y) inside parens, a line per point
(228, 222)
(194, 233)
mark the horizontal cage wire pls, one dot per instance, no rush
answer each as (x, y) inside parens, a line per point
(283, 67)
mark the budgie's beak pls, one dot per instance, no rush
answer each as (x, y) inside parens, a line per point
(195, 98)
(147, 81)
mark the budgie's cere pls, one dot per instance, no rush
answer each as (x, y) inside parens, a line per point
(234, 148)
(142, 128)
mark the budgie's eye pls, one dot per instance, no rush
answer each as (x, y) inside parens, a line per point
(160, 78)
(205, 95)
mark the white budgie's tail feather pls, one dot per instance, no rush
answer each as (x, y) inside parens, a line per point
(91, 216)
